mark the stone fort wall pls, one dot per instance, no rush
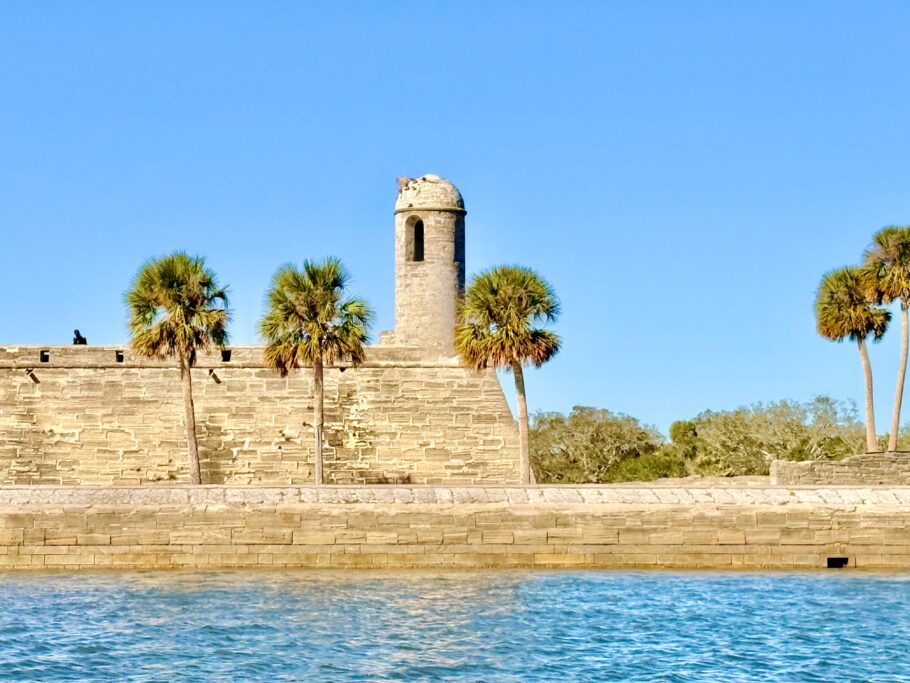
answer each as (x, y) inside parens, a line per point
(874, 469)
(647, 526)
(99, 416)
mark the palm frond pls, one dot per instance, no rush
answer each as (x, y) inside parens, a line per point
(886, 271)
(498, 315)
(308, 320)
(845, 308)
(176, 308)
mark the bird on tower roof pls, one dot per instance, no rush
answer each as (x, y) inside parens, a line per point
(429, 192)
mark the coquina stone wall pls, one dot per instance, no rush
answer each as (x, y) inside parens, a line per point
(427, 291)
(401, 527)
(876, 469)
(99, 416)
(428, 285)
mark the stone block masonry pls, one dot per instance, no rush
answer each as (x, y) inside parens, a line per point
(98, 416)
(624, 526)
(872, 469)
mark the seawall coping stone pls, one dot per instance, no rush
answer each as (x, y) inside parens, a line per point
(640, 526)
(891, 496)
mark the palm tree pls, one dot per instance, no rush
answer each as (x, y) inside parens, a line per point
(887, 277)
(177, 308)
(496, 327)
(844, 310)
(310, 322)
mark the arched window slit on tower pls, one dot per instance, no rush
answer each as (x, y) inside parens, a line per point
(414, 240)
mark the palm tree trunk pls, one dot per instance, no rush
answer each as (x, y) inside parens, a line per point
(318, 418)
(524, 453)
(901, 374)
(186, 379)
(871, 440)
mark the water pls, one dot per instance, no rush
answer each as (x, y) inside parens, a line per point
(496, 626)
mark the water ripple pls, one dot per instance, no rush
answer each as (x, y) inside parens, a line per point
(495, 626)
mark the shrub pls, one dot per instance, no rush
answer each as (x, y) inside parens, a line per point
(592, 445)
(666, 462)
(585, 445)
(745, 441)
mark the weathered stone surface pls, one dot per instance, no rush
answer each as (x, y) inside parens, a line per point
(428, 285)
(432, 526)
(877, 469)
(91, 420)
(428, 192)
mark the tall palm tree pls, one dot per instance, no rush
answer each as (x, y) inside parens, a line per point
(887, 276)
(497, 327)
(309, 321)
(177, 308)
(844, 310)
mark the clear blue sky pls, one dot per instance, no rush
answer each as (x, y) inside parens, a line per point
(683, 172)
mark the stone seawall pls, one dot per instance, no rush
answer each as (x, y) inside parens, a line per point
(873, 469)
(402, 527)
(83, 415)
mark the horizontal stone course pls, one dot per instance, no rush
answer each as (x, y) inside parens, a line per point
(698, 498)
(469, 527)
(874, 469)
(251, 357)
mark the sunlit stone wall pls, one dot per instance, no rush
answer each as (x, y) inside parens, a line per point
(90, 416)
(401, 527)
(428, 286)
(876, 469)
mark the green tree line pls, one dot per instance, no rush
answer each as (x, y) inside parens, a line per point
(593, 445)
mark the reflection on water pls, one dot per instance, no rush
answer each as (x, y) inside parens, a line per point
(471, 626)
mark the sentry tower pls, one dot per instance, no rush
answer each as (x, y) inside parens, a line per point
(429, 263)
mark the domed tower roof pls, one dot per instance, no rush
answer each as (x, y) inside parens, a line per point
(429, 193)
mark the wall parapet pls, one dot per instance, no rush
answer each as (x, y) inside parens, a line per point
(594, 494)
(15, 357)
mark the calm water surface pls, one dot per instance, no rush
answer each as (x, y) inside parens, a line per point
(497, 626)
